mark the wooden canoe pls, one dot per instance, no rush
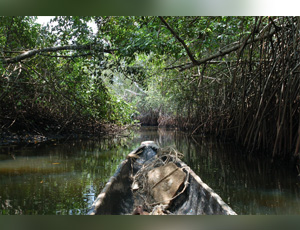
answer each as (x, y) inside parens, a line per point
(117, 197)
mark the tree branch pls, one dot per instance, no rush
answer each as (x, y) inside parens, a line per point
(33, 52)
(66, 56)
(189, 53)
(222, 52)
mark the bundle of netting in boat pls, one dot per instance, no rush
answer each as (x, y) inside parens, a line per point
(159, 181)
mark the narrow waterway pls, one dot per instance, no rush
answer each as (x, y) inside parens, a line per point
(64, 178)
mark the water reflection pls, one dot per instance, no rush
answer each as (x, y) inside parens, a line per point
(65, 178)
(248, 184)
(60, 178)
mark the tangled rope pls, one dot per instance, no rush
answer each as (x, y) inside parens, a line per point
(142, 189)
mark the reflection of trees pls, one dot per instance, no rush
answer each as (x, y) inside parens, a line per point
(247, 183)
(162, 136)
(85, 167)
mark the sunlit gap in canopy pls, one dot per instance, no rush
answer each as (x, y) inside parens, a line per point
(43, 20)
(46, 20)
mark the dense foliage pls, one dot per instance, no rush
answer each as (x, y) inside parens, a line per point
(236, 77)
(55, 90)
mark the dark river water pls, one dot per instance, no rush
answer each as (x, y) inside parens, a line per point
(64, 178)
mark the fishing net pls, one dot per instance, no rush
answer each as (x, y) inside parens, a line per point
(158, 181)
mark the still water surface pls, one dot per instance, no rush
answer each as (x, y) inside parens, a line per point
(65, 178)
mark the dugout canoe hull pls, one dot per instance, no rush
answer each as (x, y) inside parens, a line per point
(117, 197)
